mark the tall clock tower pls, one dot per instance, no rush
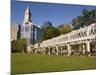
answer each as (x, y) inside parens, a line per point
(30, 31)
(28, 27)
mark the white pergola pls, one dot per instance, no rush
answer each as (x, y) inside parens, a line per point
(84, 35)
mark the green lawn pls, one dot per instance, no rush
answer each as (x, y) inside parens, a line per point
(30, 63)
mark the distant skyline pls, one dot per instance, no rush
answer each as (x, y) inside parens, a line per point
(55, 13)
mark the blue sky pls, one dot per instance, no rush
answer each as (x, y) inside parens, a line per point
(55, 13)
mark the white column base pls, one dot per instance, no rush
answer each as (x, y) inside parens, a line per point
(57, 50)
(69, 49)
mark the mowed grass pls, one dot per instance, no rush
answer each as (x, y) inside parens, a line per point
(30, 63)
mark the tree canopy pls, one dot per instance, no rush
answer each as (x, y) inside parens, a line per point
(85, 19)
(49, 31)
(19, 45)
(65, 28)
(47, 24)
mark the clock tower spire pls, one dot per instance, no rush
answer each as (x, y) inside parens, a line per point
(27, 16)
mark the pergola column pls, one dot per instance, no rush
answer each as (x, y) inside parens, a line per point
(68, 49)
(88, 46)
(83, 46)
(48, 50)
(57, 49)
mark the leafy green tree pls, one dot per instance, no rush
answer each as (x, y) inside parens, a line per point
(85, 19)
(46, 24)
(19, 45)
(89, 17)
(65, 28)
(49, 31)
(13, 46)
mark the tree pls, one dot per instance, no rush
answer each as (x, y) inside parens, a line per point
(49, 31)
(46, 24)
(19, 45)
(65, 28)
(85, 19)
(13, 46)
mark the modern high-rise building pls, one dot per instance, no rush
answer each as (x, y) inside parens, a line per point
(30, 31)
(15, 31)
